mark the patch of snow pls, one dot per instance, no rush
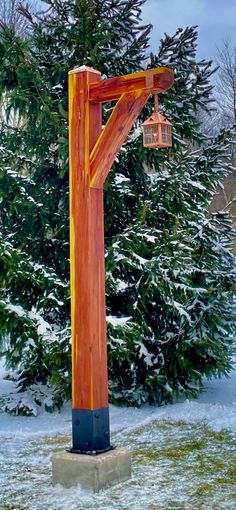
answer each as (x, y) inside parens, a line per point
(17, 309)
(143, 352)
(43, 326)
(197, 185)
(121, 285)
(216, 405)
(118, 321)
(119, 178)
(151, 239)
(141, 260)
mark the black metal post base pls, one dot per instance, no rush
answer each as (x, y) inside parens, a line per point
(90, 431)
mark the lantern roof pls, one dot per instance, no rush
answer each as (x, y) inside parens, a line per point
(156, 117)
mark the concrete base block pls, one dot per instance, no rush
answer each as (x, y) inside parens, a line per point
(91, 472)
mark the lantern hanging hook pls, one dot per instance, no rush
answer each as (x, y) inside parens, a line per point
(156, 103)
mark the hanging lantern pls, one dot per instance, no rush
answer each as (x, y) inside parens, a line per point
(157, 130)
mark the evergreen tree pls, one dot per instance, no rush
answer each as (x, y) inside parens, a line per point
(171, 274)
(169, 267)
(107, 35)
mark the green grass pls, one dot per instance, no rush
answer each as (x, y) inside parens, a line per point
(176, 466)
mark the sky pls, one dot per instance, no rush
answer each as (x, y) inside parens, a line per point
(216, 20)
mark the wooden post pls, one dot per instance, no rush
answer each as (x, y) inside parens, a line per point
(89, 346)
(92, 153)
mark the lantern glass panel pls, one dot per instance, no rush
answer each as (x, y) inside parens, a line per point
(166, 134)
(150, 134)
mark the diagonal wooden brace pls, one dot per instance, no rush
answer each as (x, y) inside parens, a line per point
(114, 134)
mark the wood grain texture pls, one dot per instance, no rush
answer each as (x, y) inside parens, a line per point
(92, 153)
(114, 134)
(113, 88)
(89, 346)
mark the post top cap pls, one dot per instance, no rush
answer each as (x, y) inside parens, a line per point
(82, 69)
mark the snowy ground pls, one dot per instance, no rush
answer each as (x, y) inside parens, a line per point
(183, 457)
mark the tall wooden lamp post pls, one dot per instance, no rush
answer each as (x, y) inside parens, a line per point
(92, 153)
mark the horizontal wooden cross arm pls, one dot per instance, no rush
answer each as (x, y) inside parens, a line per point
(156, 80)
